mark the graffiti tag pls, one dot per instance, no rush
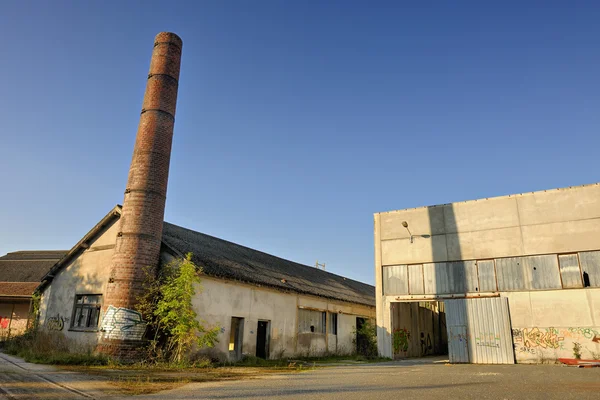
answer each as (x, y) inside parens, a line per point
(56, 323)
(534, 337)
(425, 344)
(123, 323)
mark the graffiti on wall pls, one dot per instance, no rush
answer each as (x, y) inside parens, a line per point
(123, 323)
(56, 323)
(537, 341)
(4, 322)
(426, 346)
(535, 337)
(401, 339)
(490, 339)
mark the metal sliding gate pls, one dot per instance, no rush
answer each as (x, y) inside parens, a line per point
(479, 331)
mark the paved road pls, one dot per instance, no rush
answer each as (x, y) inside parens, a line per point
(407, 380)
(421, 379)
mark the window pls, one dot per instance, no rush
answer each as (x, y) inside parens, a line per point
(311, 321)
(87, 312)
(333, 323)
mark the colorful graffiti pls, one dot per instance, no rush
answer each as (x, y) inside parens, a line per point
(401, 339)
(587, 333)
(534, 337)
(488, 340)
(56, 323)
(4, 322)
(123, 323)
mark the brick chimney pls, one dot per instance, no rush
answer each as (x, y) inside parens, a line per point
(139, 238)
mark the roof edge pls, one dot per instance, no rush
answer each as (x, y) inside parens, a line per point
(506, 196)
(114, 213)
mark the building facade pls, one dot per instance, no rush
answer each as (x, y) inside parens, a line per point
(498, 280)
(264, 305)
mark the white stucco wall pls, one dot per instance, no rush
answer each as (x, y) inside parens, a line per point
(85, 274)
(220, 300)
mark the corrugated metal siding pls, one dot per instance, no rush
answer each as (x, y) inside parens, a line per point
(395, 280)
(487, 276)
(436, 278)
(415, 279)
(569, 271)
(590, 264)
(482, 328)
(463, 276)
(542, 272)
(456, 321)
(510, 275)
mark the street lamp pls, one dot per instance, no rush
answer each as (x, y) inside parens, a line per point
(405, 224)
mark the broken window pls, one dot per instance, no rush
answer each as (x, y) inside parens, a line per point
(87, 312)
(333, 317)
(311, 321)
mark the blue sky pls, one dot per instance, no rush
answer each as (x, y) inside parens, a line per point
(296, 120)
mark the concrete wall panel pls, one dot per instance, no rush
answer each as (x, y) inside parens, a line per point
(421, 250)
(484, 244)
(421, 221)
(495, 213)
(561, 237)
(559, 205)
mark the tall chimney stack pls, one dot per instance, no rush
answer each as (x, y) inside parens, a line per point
(139, 238)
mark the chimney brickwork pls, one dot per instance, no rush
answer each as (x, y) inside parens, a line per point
(139, 238)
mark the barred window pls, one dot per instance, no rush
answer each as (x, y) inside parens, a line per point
(87, 312)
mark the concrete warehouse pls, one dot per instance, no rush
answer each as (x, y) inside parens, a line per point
(497, 280)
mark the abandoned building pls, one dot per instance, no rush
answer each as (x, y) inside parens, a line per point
(264, 305)
(496, 281)
(20, 273)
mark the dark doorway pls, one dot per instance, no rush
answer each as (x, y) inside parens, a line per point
(362, 342)
(262, 339)
(236, 337)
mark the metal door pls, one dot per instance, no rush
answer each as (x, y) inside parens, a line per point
(479, 331)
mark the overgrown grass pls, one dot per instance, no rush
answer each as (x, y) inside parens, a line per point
(44, 347)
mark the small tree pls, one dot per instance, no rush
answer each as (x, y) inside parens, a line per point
(167, 305)
(365, 339)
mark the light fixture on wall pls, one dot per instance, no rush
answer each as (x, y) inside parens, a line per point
(405, 224)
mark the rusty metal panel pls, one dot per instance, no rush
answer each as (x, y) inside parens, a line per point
(482, 326)
(510, 274)
(436, 278)
(487, 276)
(415, 279)
(542, 272)
(463, 276)
(570, 271)
(590, 267)
(395, 280)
